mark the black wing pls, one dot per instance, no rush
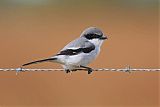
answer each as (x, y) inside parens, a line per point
(77, 51)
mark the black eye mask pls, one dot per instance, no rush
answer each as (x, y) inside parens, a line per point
(92, 36)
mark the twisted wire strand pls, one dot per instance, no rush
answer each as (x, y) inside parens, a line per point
(127, 69)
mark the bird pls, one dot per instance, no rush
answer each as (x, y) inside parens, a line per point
(79, 52)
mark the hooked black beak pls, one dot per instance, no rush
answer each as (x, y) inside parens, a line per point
(103, 37)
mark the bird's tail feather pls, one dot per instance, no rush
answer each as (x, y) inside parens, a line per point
(39, 61)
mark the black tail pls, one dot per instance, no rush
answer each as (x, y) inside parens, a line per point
(43, 60)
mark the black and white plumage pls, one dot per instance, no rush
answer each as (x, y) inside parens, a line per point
(80, 52)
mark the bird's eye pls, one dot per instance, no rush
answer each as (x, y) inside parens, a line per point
(93, 36)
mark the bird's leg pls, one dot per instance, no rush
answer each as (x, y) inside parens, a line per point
(67, 70)
(88, 68)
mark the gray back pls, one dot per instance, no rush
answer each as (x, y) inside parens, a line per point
(80, 42)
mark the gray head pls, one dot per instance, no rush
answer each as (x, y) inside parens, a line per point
(94, 35)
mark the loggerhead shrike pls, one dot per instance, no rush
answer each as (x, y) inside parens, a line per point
(80, 52)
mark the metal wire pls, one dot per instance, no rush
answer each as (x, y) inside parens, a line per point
(127, 69)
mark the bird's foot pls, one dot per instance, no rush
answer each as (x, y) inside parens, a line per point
(90, 70)
(67, 71)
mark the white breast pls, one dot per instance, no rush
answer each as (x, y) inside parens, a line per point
(74, 61)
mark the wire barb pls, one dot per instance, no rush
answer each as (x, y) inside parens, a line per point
(128, 68)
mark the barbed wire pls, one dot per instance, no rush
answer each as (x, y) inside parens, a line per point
(126, 69)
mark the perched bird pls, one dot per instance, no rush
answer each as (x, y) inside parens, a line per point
(80, 52)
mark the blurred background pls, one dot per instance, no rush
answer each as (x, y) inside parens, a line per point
(36, 29)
